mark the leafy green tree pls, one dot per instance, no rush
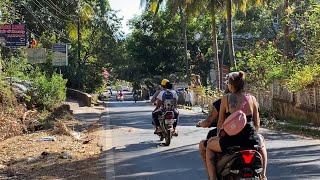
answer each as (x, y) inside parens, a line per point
(152, 48)
(213, 10)
(90, 27)
(184, 8)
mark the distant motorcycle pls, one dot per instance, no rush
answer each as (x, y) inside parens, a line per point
(120, 97)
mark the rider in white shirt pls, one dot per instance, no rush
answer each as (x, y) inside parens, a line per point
(160, 103)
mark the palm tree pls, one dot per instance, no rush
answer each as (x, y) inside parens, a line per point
(202, 5)
(242, 4)
(191, 8)
(213, 11)
(286, 31)
(230, 33)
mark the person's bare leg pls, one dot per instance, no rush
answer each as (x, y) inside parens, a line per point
(202, 150)
(264, 155)
(213, 146)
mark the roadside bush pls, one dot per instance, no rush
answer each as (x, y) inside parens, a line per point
(7, 98)
(45, 91)
(48, 92)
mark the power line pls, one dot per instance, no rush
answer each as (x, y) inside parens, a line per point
(38, 36)
(44, 26)
(56, 8)
(38, 4)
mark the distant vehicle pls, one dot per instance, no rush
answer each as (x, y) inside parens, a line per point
(105, 95)
(120, 97)
(110, 90)
(125, 88)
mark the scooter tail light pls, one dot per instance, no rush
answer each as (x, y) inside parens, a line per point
(169, 115)
(248, 156)
(246, 175)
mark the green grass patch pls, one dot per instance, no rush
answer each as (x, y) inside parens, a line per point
(294, 127)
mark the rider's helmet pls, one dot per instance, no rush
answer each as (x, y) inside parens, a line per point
(164, 82)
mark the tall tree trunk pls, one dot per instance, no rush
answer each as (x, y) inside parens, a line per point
(230, 33)
(286, 30)
(216, 61)
(185, 41)
(224, 30)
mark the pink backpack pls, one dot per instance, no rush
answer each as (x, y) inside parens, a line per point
(235, 123)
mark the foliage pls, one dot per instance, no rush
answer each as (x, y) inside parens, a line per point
(16, 67)
(48, 92)
(7, 99)
(304, 77)
(153, 48)
(100, 47)
(156, 47)
(100, 37)
(212, 93)
(262, 65)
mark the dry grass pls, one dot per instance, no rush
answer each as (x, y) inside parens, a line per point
(21, 155)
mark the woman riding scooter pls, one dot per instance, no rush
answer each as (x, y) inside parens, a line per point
(248, 137)
(211, 121)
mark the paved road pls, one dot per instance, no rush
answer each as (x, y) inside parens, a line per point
(137, 154)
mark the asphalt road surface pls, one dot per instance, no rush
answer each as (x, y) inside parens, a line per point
(136, 153)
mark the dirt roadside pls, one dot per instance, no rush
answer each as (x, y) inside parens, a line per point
(50, 155)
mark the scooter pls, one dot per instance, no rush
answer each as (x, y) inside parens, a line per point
(239, 163)
(120, 97)
(166, 125)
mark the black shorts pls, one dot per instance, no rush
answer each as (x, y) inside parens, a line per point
(211, 133)
(246, 138)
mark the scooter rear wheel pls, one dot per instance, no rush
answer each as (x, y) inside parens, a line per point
(168, 137)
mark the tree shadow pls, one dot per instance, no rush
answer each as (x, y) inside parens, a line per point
(272, 135)
(140, 116)
(175, 163)
(300, 162)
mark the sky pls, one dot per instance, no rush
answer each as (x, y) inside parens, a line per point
(128, 8)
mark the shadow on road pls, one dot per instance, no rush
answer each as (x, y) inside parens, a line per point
(282, 136)
(138, 115)
(174, 163)
(300, 162)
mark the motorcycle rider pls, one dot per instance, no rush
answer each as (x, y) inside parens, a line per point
(135, 95)
(120, 95)
(167, 88)
(158, 89)
(248, 137)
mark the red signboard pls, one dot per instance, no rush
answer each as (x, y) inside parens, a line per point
(14, 34)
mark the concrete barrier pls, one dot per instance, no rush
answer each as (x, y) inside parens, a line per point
(85, 98)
